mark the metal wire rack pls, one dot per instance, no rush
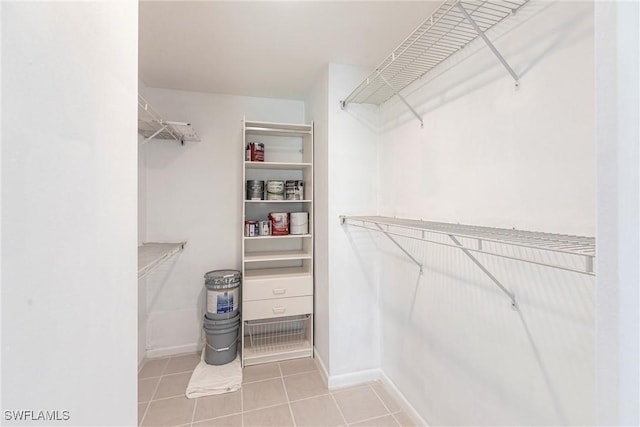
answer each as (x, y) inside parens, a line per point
(151, 255)
(547, 249)
(151, 125)
(453, 25)
(277, 334)
(565, 252)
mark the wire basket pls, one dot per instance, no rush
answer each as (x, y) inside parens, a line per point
(277, 334)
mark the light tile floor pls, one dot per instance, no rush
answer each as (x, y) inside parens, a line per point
(280, 394)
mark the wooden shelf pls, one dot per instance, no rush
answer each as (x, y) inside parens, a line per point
(287, 236)
(278, 201)
(276, 273)
(277, 165)
(277, 129)
(276, 256)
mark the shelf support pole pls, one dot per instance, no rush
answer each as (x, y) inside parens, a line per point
(396, 93)
(507, 292)
(415, 261)
(488, 42)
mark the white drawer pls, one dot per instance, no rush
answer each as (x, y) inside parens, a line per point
(277, 307)
(259, 289)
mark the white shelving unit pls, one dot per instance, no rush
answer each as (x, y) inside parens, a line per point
(151, 255)
(151, 125)
(454, 25)
(277, 271)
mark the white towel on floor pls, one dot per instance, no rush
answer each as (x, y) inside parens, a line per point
(207, 379)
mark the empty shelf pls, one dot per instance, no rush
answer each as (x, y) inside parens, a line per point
(451, 27)
(277, 129)
(277, 273)
(276, 256)
(151, 255)
(561, 251)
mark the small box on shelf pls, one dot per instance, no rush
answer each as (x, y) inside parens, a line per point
(255, 152)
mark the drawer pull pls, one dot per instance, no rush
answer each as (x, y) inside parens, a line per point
(279, 310)
(280, 291)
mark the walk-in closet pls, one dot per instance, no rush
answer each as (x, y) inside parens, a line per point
(312, 213)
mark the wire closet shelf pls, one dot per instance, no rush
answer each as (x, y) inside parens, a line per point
(565, 252)
(151, 125)
(152, 254)
(453, 25)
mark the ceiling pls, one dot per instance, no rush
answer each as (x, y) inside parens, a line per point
(266, 48)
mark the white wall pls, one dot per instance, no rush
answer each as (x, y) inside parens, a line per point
(194, 193)
(69, 82)
(617, 51)
(492, 155)
(317, 109)
(142, 237)
(352, 189)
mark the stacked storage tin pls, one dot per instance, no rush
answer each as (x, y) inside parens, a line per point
(222, 318)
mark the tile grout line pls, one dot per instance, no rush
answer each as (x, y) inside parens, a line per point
(339, 409)
(286, 393)
(193, 413)
(272, 406)
(380, 399)
(233, 414)
(310, 397)
(145, 413)
(153, 376)
(150, 400)
(374, 418)
(241, 405)
(280, 376)
(395, 418)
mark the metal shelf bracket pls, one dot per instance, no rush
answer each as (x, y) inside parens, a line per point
(415, 261)
(395, 242)
(404, 101)
(507, 292)
(151, 125)
(488, 42)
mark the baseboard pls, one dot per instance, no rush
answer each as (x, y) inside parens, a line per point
(172, 351)
(402, 401)
(353, 378)
(321, 367)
